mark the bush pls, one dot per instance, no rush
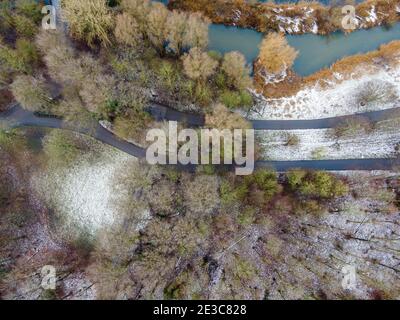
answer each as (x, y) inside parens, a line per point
(292, 140)
(30, 8)
(275, 53)
(376, 92)
(265, 181)
(32, 93)
(89, 20)
(6, 20)
(127, 31)
(231, 99)
(318, 153)
(353, 126)
(61, 147)
(198, 65)
(201, 193)
(234, 99)
(132, 128)
(164, 199)
(27, 53)
(185, 31)
(24, 26)
(168, 74)
(221, 118)
(9, 140)
(236, 70)
(316, 184)
(23, 59)
(246, 216)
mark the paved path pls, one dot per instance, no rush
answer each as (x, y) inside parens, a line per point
(160, 112)
(18, 117)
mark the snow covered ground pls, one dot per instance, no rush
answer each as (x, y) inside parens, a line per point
(335, 98)
(321, 144)
(85, 196)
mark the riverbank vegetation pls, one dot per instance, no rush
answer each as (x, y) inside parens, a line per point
(299, 18)
(351, 67)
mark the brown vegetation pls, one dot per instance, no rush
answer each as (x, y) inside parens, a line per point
(356, 64)
(261, 16)
(275, 53)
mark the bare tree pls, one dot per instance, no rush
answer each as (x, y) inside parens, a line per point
(32, 93)
(221, 118)
(156, 26)
(198, 65)
(138, 9)
(176, 29)
(197, 31)
(127, 30)
(234, 66)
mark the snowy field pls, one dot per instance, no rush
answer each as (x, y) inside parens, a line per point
(85, 196)
(336, 98)
(321, 144)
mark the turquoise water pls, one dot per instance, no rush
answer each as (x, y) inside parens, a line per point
(315, 51)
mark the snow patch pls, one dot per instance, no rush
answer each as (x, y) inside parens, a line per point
(321, 144)
(336, 98)
(84, 195)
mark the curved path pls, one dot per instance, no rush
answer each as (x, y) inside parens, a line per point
(18, 117)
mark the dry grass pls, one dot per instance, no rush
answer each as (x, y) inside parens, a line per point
(255, 15)
(387, 54)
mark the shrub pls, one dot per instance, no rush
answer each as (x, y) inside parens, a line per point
(32, 93)
(316, 184)
(30, 9)
(318, 153)
(231, 99)
(185, 31)
(132, 127)
(353, 126)
(238, 74)
(96, 88)
(138, 9)
(6, 17)
(10, 140)
(292, 140)
(164, 199)
(89, 20)
(23, 59)
(234, 99)
(221, 118)
(196, 34)
(168, 74)
(61, 147)
(201, 193)
(59, 56)
(176, 28)
(27, 53)
(265, 181)
(127, 30)
(24, 26)
(198, 65)
(376, 92)
(203, 94)
(246, 216)
(156, 29)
